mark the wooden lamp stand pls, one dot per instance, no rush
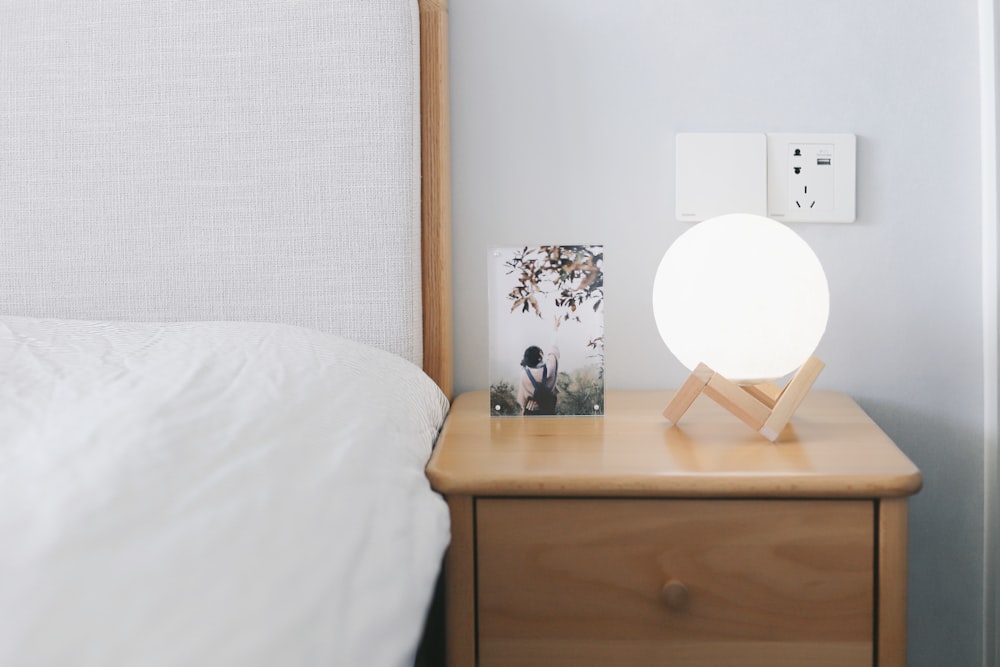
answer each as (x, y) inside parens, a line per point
(766, 407)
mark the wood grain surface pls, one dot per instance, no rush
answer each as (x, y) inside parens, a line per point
(831, 448)
(557, 573)
(436, 272)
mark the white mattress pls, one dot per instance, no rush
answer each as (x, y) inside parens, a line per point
(212, 494)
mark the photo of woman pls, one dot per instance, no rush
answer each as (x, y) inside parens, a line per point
(546, 330)
(536, 393)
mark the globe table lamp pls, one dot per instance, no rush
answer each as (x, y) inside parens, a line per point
(742, 301)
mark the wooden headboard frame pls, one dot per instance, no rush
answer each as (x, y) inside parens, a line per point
(435, 194)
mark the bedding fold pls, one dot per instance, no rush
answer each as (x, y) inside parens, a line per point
(212, 494)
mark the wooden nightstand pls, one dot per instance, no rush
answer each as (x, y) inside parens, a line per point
(621, 541)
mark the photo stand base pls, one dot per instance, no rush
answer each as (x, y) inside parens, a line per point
(766, 407)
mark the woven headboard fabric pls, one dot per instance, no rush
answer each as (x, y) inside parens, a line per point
(184, 160)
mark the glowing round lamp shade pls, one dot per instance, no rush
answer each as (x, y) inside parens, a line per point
(744, 295)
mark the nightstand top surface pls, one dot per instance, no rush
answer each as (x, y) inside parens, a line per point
(830, 449)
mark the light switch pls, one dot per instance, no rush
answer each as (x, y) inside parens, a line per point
(719, 173)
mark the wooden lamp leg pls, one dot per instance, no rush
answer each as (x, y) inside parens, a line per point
(765, 408)
(790, 398)
(689, 391)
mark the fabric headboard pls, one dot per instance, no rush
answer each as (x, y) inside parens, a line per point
(183, 160)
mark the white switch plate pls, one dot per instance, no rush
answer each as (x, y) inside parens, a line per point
(811, 177)
(719, 173)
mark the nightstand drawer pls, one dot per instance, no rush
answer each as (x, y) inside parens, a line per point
(680, 582)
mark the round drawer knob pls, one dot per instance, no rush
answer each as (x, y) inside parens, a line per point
(674, 595)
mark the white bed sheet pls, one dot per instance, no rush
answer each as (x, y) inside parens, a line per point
(212, 494)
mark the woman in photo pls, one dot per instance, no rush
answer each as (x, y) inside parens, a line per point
(537, 391)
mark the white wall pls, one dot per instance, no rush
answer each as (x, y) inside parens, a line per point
(564, 114)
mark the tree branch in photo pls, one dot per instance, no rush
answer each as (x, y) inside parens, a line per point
(572, 274)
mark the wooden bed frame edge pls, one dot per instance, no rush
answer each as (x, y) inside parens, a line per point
(436, 287)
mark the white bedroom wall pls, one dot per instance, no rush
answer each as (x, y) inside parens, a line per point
(564, 114)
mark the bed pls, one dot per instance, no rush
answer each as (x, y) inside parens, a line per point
(225, 330)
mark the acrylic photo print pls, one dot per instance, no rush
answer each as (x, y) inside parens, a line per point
(546, 308)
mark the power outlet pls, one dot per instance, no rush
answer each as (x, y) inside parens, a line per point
(811, 177)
